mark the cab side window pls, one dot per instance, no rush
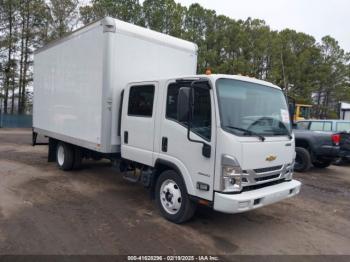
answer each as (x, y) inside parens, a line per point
(141, 101)
(201, 122)
(303, 125)
(316, 126)
(171, 102)
(327, 126)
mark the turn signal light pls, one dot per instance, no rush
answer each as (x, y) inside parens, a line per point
(203, 202)
(336, 139)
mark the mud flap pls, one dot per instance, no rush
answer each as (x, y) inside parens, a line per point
(51, 157)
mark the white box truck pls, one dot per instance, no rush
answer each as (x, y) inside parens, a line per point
(122, 92)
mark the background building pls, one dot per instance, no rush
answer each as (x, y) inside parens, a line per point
(345, 111)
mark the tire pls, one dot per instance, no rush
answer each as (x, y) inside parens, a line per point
(64, 156)
(339, 161)
(302, 159)
(321, 164)
(77, 158)
(170, 187)
(96, 158)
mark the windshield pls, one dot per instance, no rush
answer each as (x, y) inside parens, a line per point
(305, 112)
(249, 109)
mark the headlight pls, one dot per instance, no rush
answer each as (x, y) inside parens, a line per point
(231, 177)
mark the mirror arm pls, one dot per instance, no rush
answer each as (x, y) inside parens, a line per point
(206, 150)
(189, 137)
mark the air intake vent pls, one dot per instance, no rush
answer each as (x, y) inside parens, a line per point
(259, 179)
(267, 169)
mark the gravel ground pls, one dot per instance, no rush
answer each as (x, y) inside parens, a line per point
(94, 211)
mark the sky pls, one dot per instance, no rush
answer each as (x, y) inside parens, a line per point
(314, 17)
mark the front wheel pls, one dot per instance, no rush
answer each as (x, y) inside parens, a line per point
(172, 198)
(302, 159)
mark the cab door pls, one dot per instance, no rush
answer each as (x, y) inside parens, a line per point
(197, 170)
(138, 122)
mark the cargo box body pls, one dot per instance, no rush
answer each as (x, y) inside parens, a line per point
(78, 80)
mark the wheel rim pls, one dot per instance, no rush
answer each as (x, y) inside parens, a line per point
(60, 155)
(170, 196)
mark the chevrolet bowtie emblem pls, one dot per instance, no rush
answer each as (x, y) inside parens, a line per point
(271, 158)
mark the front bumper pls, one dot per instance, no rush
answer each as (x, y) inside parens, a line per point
(237, 203)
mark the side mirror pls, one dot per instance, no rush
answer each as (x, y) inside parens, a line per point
(183, 104)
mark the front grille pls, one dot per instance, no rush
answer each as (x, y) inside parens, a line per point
(258, 179)
(267, 169)
(253, 187)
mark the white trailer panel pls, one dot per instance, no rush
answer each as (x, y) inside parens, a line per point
(78, 80)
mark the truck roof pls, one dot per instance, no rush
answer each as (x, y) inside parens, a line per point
(113, 25)
(215, 77)
(242, 78)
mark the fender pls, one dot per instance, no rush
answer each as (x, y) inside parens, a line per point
(159, 165)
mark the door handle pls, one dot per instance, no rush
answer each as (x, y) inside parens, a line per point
(126, 137)
(164, 144)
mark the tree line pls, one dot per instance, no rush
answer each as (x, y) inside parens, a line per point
(311, 72)
(26, 25)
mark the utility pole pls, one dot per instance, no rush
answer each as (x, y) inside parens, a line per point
(284, 76)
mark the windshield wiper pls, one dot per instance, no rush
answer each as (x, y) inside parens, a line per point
(248, 132)
(289, 134)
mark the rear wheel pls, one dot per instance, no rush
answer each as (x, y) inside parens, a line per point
(172, 198)
(302, 160)
(64, 156)
(77, 158)
(321, 163)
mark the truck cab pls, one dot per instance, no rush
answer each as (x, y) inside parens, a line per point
(219, 140)
(302, 112)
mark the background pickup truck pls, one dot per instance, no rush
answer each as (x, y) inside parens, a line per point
(344, 154)
(341, 127)
(315, 147)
